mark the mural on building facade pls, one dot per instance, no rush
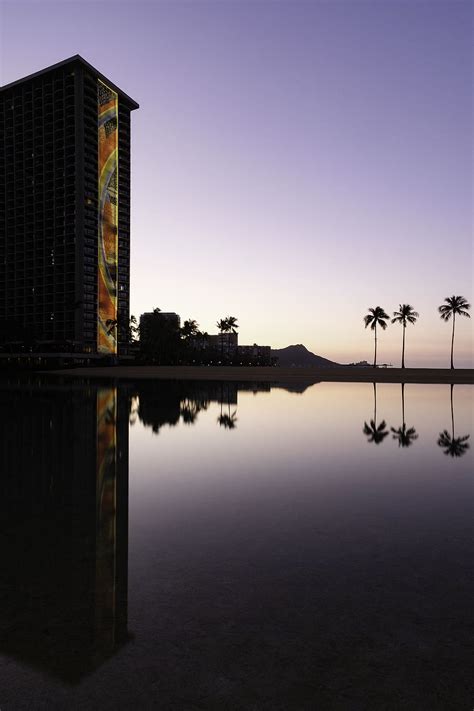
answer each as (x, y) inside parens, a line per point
(108, 218)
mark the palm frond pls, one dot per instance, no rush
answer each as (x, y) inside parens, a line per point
(457, 305)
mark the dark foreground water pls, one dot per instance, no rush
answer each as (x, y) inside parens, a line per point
(217, 546)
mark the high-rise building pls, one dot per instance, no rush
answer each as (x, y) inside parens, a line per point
(65, 211)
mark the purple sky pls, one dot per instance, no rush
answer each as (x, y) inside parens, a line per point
(293, 162)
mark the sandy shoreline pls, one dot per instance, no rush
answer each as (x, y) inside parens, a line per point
(264, 374)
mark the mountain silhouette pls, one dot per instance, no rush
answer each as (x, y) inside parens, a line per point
(300, 356)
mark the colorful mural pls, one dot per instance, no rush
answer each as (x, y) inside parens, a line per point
(108, 219)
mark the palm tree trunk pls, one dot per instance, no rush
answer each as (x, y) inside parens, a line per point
(375, 403)
(403, 404)
(452, 411)
(403, 346)
(375, 349)
(452, 341)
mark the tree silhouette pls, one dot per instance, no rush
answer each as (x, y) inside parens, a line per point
(405, 315)
(227, 325)
(222, 326)
(454, 306)
(111, 324)
(376, 317)
(405, 436)
(133, 329)
(232, 324)
(453, 446)
(190, 328)
(373, 432)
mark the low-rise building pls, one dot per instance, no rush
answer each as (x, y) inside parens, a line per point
(254, 355)
(149, 317)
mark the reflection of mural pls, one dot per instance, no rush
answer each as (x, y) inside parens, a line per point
(106, 513)
(108, 218)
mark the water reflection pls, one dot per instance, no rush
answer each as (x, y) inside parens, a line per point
(375, 433)
(404, 435)
(156, 404)
(451, 445)
(369, 550)
(226, 419)
(64, 520)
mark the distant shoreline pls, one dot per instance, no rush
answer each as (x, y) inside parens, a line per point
(269, 374)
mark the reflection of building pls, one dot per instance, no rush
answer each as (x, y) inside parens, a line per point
(65, 211)
(64, 519)
(167, 402)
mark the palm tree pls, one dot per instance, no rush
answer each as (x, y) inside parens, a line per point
(190, 328)
(453, 446)
(404, 316)
(223, 328)
(373, 432)
(232, 324)
(376, 317)
(189, 332)
(227, 325)
(405, 436)
(454, 306)
(111, 325)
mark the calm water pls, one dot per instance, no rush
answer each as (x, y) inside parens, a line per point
(214, 546)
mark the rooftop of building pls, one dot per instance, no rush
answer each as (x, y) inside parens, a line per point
(74, 61)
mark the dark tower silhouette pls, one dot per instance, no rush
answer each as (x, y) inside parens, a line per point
(65, 210)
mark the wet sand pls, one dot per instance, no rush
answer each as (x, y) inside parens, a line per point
(269, 374)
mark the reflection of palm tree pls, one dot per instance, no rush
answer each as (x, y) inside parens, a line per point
(453, 446)
(376, 317)
(405, 436)
(189, 410)
(228, 421)
(373, 432)
(454, 305)
(404, 316)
